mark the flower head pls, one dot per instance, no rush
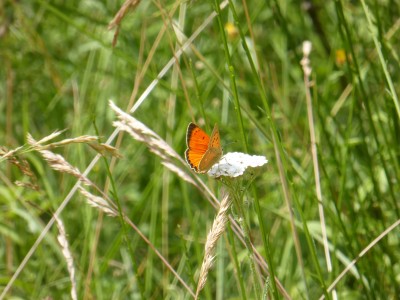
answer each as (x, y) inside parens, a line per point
(234, 164)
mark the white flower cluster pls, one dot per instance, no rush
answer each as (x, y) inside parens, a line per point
(234, 164)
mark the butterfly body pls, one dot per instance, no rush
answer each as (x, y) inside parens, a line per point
(203, 151)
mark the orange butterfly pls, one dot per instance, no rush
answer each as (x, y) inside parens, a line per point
(202, 152)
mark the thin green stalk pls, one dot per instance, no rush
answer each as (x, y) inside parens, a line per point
(311, 246)
(195, 233)
(288, 201)
(153, 194)
(187, 209)
(240, 121)
(262, 92)
(389, 81)
(361, 87)
(232, 75)
(199, 99)
(354, 72)
(124, 229)
(236, 262)
(237, 196)
(267, 250)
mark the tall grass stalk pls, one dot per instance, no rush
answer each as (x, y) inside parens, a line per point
(307, 70)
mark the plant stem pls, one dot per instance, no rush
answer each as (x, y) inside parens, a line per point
(238, 205)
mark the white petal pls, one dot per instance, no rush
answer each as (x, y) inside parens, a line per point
(234, 164)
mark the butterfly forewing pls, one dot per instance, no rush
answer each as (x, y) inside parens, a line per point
(197, 144)
(196, 139)
(215, 141)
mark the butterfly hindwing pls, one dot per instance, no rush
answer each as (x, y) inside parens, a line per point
(203, 151)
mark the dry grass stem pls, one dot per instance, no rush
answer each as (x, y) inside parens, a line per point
(128, 4)
(62, 239)
(22, 165)
(28, 185)
(98, 202)
(104, 149)
(84, 139)
(305, 63)
(152, 143)
(218, 228)
(32, 141)
(39, 145)
(25, 168)
(58, 163)
(6, 154)
(141, 132)
(122, 12)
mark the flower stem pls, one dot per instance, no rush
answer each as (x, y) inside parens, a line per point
(238, 205)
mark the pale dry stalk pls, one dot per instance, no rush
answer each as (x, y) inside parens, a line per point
(84, 139)
(98, 202)
(34, 143)
(58, 163)
(40, 145)
(62, 239)
(6, 154)
(307, 70)
(128, 5)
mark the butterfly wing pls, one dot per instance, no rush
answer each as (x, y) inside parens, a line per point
(215, 140)
(197, 142)
(213, 153)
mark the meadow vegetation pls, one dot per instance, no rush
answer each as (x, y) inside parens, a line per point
(97, 201)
